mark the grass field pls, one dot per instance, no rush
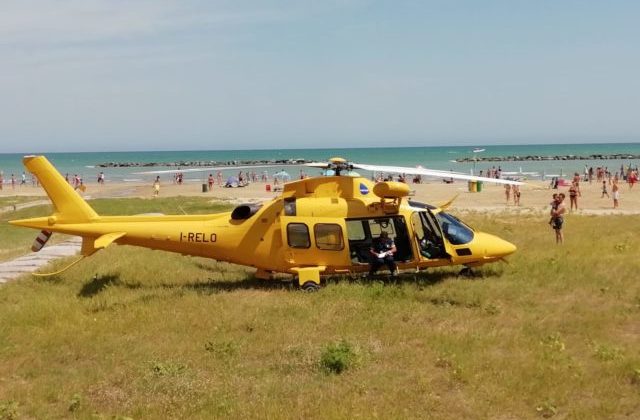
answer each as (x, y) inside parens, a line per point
(146, 334)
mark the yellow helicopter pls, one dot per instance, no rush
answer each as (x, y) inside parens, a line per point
(317, 226)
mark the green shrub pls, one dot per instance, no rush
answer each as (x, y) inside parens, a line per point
(74, 402)
(223, 348)
(547, 409)
(553, 342)
(607, 353)
(8, 410)
(338, 357)
(168, 368)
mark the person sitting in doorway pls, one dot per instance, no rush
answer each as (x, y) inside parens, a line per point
(382, 251)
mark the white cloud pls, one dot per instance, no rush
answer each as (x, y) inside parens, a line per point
(47, 22)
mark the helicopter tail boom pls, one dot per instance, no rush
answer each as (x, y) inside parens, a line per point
(69, 206)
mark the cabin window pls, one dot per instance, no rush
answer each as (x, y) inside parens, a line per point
(355, 230)
(290, 206)
(454, 230)
(377, 226)
(298, 235)
(328, 236)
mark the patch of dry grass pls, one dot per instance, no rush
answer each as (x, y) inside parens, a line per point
(147, 334)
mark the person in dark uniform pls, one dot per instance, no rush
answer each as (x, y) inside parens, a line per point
(382, 250)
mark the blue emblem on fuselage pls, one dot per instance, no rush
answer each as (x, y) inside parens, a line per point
(363, 189)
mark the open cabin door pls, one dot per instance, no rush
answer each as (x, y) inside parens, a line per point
(363, 231)
(429, 238)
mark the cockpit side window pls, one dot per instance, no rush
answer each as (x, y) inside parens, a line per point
(454, 230)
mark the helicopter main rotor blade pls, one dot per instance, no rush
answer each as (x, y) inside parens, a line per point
(323, 165)
(433, 173)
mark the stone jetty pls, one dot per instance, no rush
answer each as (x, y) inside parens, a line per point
(202, 163)
(534, 158)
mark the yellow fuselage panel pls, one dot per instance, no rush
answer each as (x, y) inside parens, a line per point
(330, 186)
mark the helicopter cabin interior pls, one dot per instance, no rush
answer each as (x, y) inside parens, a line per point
(363, 231)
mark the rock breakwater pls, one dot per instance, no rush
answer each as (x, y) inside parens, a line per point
(202, 163)
(616, 156)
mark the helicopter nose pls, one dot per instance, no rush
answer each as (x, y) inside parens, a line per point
(497, 247)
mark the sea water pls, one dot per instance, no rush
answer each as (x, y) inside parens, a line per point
(439, 157)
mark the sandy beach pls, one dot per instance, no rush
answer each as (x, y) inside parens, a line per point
(535, 195)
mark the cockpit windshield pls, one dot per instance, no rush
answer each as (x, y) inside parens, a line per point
(454, 230)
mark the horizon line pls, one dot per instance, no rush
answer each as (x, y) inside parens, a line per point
(326, 148)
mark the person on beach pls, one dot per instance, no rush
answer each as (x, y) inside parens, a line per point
(210, 181)
(554, 205)
(81, 186)
(13, 181)
(632, 178)
(557, 217)
(1, 180)
(507, 192)
(604, 190)
(573, 196)
(516, 195)
(576, 180)
(616, 193)
(156, 187)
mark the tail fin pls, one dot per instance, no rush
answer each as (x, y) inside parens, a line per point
(448, 204)
(69, 206)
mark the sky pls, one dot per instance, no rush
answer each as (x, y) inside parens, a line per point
(107, 75)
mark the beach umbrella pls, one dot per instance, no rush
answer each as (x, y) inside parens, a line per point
(282, 176)
(232, 181)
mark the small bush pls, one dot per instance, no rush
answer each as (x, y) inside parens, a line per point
(74, 402)
(223, 348)
(338, 357)
(492, 309)
(167, 368)
(608, 354)
(547, 409)
(553, 342)
(622, 247)
(8, 410)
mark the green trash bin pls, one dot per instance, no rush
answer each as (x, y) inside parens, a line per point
(205, 188)
(479, 186)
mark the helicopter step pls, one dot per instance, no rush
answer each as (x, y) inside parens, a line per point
(309, 277)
